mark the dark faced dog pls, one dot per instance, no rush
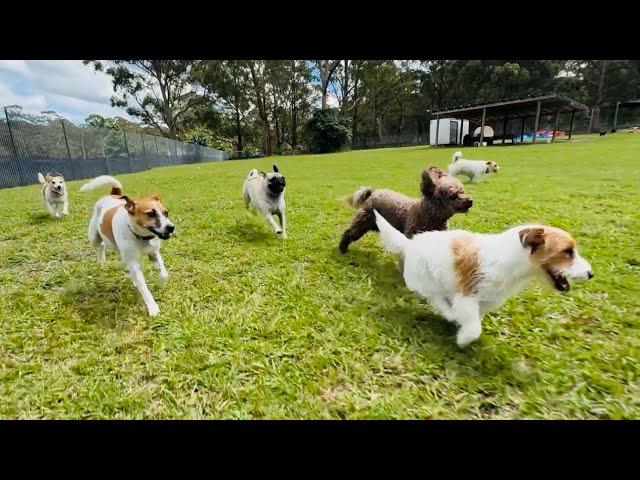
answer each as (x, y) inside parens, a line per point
(442, 197)
(265, 193)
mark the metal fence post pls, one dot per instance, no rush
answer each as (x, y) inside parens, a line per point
(66, 141)
(15, 150)
(126, 147)
(84, 152)
(155, 139)
(144, 151)
(104, 151)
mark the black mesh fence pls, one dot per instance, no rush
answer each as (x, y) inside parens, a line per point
(32, 143)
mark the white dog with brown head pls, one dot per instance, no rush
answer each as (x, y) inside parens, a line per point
(54, 194)
(466, 275)
(474, 169)
(132, 228)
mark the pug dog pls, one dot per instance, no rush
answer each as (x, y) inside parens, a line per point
(265, 193)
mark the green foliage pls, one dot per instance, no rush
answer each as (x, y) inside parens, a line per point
(327, 131)
(117, 123)
(158, 92)
(205, 137)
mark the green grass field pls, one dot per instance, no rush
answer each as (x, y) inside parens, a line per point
(252, 326)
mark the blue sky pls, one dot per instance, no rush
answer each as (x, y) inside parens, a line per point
(65, 86)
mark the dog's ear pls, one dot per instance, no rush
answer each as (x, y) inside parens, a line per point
(532, 237)
(47, 177)
(430, 177)
(156, 197)
(130, 206)
(275, 169)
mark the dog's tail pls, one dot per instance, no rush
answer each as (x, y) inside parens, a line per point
(255, 173)
(392, 240)
(456, 156)
(116, 186)
(359, 197)
(41, 178)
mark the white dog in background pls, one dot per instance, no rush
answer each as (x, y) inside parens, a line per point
(54, 194)
(265, 192)
(132, 228)
(474, 169)
(466, 275)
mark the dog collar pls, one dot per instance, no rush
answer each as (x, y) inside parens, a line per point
(140, 237)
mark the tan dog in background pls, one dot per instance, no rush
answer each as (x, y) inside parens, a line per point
(54, 194)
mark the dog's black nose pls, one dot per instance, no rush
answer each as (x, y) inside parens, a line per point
(590, 274)
(170, 228)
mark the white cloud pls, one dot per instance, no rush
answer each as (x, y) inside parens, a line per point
(28, 102)
(70, 78)
(84, 108)
(17, 66)
(69, 87)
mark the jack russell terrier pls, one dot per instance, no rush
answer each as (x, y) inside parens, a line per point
(466, 275)
(132, 228)
(474, 169)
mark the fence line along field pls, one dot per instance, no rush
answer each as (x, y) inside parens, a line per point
(254, 326)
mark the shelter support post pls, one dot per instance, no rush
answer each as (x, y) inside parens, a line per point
(537, 123)
(573, 114)
(484, 117)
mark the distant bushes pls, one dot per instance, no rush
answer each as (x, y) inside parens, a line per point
(327, 131)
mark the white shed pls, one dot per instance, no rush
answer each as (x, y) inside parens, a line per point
(448, 132)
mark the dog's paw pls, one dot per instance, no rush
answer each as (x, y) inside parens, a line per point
(162, 280)
(466, 337)
(284, 235)
(154, 309)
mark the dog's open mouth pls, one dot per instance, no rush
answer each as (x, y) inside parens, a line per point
(159, 234)
(560, 282)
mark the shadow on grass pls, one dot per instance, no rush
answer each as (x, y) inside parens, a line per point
(384, 273)
(42, 217)
(103, 299)
(436, 335)
(248, 229)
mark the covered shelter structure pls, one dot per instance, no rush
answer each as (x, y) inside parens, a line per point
(519, 109)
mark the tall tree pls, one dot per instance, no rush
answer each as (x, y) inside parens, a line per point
(606, 81)
(260, 97)
(227, 85)
(158, 92)
(326, 68)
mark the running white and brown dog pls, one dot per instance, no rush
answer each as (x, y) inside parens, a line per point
(132, 228)
(466, 275)
(474, 169)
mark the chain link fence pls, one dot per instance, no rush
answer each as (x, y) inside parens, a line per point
(47, 143)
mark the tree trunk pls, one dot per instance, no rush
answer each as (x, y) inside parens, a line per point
(326, 68)
(239, 131)
(294, 126)
(261, 103)
(345, 89)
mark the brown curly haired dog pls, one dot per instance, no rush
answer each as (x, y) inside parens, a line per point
(442, 197)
